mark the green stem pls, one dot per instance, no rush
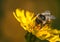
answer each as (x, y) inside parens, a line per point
(32, 38)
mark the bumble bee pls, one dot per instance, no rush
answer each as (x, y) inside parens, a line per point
(44, 18)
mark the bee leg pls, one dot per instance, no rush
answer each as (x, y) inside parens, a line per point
(48, 25)
(41, 25)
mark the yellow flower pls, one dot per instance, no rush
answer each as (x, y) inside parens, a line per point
(27, 21)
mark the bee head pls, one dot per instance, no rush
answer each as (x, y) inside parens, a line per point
(40, 18)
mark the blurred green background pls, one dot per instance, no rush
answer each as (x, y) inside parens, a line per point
(10, 30)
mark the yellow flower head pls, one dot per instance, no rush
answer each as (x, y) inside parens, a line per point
(27, 21)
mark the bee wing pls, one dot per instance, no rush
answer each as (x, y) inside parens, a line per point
(52, 17)
(46, 13)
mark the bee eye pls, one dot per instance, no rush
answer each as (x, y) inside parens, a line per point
(42, 17)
